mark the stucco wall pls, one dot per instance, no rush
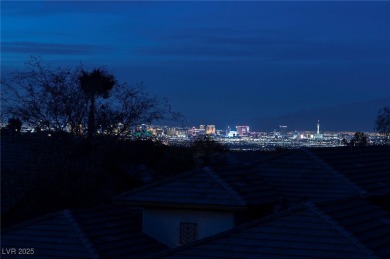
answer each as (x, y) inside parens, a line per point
(164, 224)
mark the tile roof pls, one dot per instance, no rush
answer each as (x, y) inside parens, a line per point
(112, 232)
(367, 167)
(337, 225)
(250, 184)
(50, 236)
(298, 175)
(308, 174)
(367, 222)
(229, 188)
(303, 232)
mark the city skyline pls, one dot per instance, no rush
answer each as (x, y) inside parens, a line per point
(218, 62)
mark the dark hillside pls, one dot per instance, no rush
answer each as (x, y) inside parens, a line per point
(41, 174)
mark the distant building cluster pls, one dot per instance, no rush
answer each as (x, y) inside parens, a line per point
(241, 138)
(234, 137)
(240, 131)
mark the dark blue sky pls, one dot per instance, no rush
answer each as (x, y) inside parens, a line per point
(217, 62)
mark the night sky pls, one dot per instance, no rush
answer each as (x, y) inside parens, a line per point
(216, 62)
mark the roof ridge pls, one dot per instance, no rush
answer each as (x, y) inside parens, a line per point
(331, 170)
(339, 228)
(30, 221)
(225, 185)
(155, 184)
(91, 249)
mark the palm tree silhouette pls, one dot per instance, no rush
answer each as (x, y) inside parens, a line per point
(96, 84)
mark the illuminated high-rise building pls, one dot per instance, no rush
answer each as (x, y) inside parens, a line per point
(283, 130)
(210, 129)
(318, 127)
(242, 130)
(318, 135)
(171, 132)
(196, 132)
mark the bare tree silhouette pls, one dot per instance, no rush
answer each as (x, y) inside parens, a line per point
(44, 97)
(131, 105)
